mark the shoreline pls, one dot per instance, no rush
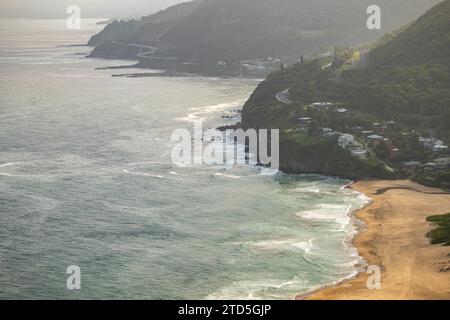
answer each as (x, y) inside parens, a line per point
(394, 238)
(358, 226)
(171, 72)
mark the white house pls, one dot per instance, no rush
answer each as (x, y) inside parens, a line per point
(346, 140)
(442, 163)
(388, 124)
(440, 148)
(433, 144)
(321, 104)
(374, 137)
(305, 119)
(359, 153)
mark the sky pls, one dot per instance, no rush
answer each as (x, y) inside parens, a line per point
(89, 8)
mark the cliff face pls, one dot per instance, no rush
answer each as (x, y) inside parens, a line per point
(326, 157)
(406, 82)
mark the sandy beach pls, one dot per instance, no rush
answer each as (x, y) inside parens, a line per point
(394, 239)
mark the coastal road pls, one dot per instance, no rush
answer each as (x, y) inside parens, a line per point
(144, 50)
(284, 97)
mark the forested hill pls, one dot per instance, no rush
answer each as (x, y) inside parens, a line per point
(425, 41)
(232, 30)
(407, 76)
(406, 82)
(146, 30)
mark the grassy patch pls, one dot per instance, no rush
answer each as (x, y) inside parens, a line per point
(441, 234)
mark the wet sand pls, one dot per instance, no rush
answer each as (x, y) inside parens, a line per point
(394, 239)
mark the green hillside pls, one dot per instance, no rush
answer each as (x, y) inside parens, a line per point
(425, 41)
(404, 80)
(146, 30)
(209, 31)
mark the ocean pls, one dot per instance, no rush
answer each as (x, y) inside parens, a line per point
(86, 179)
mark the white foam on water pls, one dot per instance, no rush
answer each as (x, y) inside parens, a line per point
(144, 174)
(257, 289)
(218, 174)
(328, 212)
(9, 164)
(361, 201)
(268, 172)
(134, 164)
(191, 118)
(364, 198)
(287, 244)
(305, 246)
(201, 113)
(22, 176)
(218, 107)
(307, 190)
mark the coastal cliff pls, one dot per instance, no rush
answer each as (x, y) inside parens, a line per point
(325, 157)
(247, 35)
(381, 112)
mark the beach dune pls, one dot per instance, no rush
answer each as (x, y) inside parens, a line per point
(394, 239)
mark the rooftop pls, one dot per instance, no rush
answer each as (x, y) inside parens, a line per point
(375, 137)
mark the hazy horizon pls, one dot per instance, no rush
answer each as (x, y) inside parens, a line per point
(54, 9)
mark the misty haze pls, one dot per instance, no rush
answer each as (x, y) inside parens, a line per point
(225, 150)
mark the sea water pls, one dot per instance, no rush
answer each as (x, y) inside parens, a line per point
(86, 179)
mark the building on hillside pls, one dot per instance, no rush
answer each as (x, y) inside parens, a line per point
(305, 120)
(388, 124)
(378, 127)
(322, 106)
(430, 166)
(389, 143)
(439, 148)
(395, 152)
(442, 163)
(433, 144)
(304, 123)
(346, 140)
(428, 143)
(359, 153)
(374, 140)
